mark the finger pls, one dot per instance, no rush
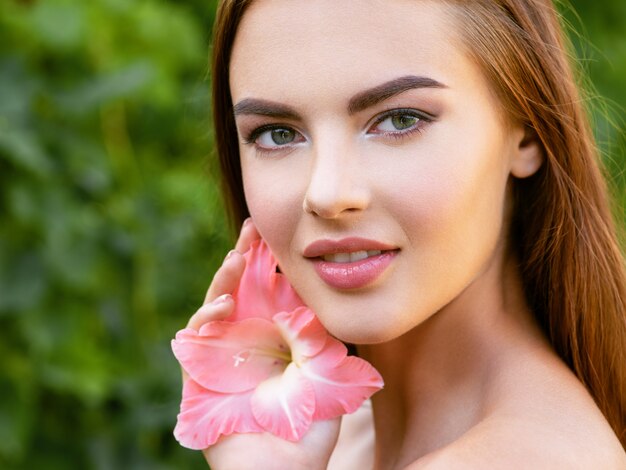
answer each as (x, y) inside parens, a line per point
(219, 309)
(227, 276)
(248, 234)
(313, 450)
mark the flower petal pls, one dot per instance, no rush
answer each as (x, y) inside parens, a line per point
(232, 357)
(341, 383)
(205, 416)
(303, 331)
(285, 405)
(262, 291)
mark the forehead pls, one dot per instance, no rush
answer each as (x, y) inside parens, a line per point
(287, 49)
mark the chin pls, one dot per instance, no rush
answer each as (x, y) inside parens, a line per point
(362, 331)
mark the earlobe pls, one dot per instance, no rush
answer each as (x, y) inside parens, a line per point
(529, 155)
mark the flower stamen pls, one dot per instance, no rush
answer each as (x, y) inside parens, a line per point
(245, 354)
(241, 356)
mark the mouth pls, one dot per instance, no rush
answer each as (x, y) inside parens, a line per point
(350, 257)
(351, 263)
(352, 246)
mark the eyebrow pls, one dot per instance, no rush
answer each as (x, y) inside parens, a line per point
(265, 108)
(359, 102)
(368, 98)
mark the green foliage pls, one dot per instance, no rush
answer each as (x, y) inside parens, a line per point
(112, 224)
(598, 33)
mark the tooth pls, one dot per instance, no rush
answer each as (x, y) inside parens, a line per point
(358, 256)
(341, 258)
(350, 257)
(337, 258)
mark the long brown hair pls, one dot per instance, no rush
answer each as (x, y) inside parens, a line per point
(573, 271)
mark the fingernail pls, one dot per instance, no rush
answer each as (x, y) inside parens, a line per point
(231, 253)
(222, 298)
(247, 222)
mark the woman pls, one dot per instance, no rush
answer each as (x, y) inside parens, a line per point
(444, 142)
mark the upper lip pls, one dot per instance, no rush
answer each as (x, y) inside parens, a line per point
(345, 245)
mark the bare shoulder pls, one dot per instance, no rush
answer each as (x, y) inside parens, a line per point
(520, 444)
(547, 422)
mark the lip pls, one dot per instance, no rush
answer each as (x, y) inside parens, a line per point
(350, 275)
(345, 245)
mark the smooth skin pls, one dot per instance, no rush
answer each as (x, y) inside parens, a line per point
(510, 437)
(470, 380)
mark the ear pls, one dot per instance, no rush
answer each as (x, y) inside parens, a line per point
(528, 155)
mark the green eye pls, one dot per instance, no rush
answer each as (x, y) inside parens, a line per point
(402, 121)
(275, 137)
(282, 136)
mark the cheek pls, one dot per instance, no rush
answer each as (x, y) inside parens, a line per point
(274, 199)
(457, 189)
(452, 213)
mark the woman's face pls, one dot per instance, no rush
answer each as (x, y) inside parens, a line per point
(362, 124)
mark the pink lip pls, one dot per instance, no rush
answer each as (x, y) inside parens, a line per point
(351, 275)
(345, 245)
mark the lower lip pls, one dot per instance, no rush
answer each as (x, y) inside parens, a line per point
(356, 274)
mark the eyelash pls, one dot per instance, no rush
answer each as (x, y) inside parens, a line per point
(422, 117)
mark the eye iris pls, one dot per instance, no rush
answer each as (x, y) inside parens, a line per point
(403, 121)
(282, 136)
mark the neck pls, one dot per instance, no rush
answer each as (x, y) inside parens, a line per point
(440, 375)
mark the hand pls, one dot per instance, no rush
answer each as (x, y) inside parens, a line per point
(257, 450)
(264, 451)
(217, 303)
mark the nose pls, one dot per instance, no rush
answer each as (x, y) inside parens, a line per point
(337, 184)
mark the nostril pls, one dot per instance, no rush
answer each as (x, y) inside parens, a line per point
(330, 205)
(331, 211)
(330, 195)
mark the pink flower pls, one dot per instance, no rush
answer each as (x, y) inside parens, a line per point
(271, 366)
